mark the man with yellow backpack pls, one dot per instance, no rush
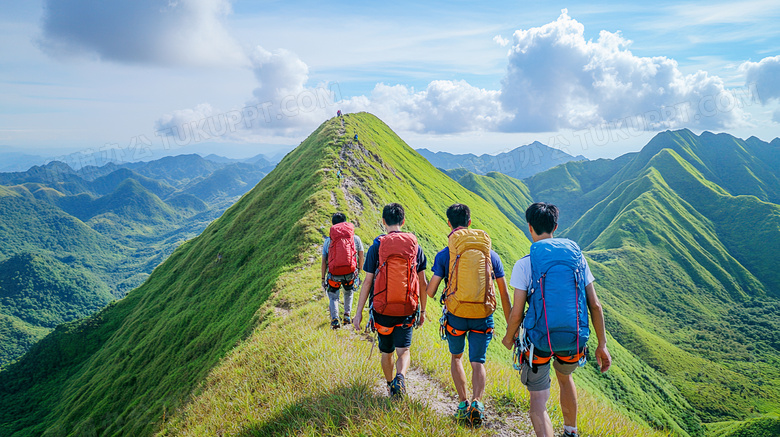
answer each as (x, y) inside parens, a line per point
(469, 267)
(395, 274)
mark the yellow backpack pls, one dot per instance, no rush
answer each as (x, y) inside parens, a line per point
(469, 293)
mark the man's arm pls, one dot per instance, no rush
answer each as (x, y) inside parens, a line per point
(423, 296)
(364, 289)
(515, 318)
(433, 286)
(360, 260)
(597, 317)
(506, 304)
(324, 270)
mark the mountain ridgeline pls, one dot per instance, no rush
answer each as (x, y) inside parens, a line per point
(74, 240)
(681, 237)
(236, 344)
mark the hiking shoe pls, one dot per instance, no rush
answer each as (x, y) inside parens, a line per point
(462, 413)
(476, 414)
(570, 434)
(347, 319)
(334, 324)
(398, 386)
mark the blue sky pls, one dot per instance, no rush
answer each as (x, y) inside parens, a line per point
(594, 79)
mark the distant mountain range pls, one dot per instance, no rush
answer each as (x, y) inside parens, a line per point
(520, 163)
(97, 232)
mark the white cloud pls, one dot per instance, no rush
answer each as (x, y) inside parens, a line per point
(765, 74)
(556, 79)
(161, 32)
(776, 116)
(500, 40)
(443, 107)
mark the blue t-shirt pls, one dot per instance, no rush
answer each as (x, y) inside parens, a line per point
(441, 264)
(372, 258)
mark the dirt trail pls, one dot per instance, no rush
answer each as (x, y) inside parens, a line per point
(428, 391)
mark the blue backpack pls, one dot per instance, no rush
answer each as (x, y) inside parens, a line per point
(557, 316)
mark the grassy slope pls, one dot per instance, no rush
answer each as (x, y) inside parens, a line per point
(508, 194)
(117, 371)
(668, 221)
(641, 390)
(309, 400)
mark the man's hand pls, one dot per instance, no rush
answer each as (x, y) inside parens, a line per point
(422, 320)
(356, 321)
(325, 284)
(603, 358)
(508, 341)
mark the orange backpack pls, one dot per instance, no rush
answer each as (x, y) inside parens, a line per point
(341, 252)
(396, 285)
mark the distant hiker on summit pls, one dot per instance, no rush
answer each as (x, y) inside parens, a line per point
(468, 266)
(557, 283)
(395, 273)
(342, 255)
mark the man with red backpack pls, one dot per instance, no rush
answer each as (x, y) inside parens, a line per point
(557, 283)
(468, 266)
(342, 255)
(395, 273)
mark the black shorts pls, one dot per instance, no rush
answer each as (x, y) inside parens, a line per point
(400, 337)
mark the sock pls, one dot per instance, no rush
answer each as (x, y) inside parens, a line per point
(570, 429)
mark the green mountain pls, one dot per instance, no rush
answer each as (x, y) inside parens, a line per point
(112, 221)
(119, 371)
(681, 237)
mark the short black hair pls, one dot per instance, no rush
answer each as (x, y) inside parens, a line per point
(338, 217)
(393, 213)
(458, 215)
(542, 216)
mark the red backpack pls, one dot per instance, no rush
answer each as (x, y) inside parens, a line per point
(396, 285)
(341, 252)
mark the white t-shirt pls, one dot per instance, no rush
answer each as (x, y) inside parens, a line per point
(521, 274)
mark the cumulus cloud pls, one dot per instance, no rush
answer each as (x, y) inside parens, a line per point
(161, 32)
(282, 104)
(443, 107)
(765, 74)
(556, 79)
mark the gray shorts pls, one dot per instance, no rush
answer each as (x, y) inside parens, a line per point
(540, 380)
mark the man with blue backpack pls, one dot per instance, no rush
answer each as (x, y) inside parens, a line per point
(556, 282)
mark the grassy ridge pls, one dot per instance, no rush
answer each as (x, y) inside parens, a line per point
(330, 390)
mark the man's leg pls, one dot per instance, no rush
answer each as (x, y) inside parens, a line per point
(568, 393)
(403, 361)
(348, 300)
(459, 376)
(333, 305)
(538, 412)
(478, 380)
(387, 366)
(478, 344)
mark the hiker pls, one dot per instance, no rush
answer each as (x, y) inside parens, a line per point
(342, 255)
(395, 274)
(338, 113)
(557, 283)
(469, 267)
(356, 137)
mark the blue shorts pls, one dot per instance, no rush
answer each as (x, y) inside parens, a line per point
(400, 338)
(478, 343)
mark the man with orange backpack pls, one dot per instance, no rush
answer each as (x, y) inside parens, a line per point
(557, 283)
(395, 273)
(342, 255)
(468, 266)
